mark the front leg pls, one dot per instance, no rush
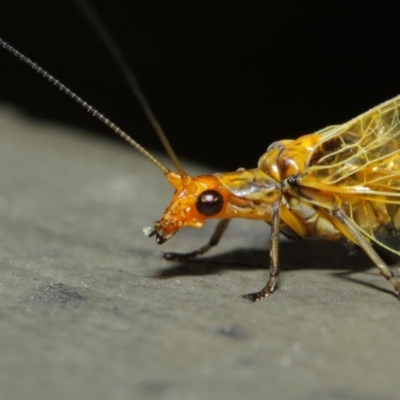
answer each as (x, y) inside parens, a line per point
(273, 254)
(214, 240)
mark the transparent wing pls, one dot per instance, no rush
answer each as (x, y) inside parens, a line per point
(362, 155)
(360, 162)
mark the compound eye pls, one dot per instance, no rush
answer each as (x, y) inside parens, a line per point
(209, 203)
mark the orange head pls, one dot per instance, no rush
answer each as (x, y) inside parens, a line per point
(195, 200)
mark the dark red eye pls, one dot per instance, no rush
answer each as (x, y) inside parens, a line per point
(209, 203)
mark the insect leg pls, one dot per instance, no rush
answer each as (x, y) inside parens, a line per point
(363, 243)
(273, 255)
(214, 240)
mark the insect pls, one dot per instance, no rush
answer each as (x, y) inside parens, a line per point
(340, 182)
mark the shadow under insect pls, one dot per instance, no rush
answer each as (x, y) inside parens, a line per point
(296, 255)
(342, 260)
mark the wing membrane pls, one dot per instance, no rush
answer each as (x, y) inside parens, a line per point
(360, 161)
(362, 155)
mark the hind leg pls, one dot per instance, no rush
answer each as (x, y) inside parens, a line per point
(359, 238)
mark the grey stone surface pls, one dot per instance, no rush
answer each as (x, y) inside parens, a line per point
(89, 310)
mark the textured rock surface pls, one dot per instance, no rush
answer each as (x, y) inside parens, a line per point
(90, 310)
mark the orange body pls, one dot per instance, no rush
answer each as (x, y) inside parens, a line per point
(342, 181)
(354, 166)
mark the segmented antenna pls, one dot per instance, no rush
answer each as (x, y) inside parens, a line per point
(100, 29)
(85, 105)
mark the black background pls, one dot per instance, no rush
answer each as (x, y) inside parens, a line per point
(224, 80)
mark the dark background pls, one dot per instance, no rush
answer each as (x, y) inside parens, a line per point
(224, 80)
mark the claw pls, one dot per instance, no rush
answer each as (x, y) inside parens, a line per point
(257, 296)
(266, 291)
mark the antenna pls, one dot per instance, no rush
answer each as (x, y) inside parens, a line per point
(85, 105)
(101, 30)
